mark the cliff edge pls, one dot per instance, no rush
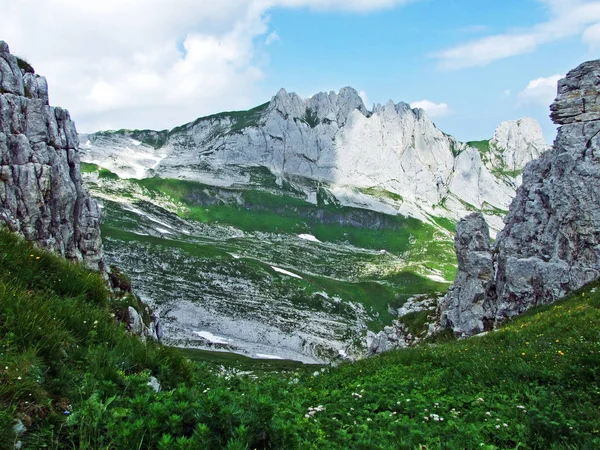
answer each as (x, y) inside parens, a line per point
(550, 244)
(41, 192)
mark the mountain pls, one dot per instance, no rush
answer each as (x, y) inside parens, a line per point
(550, 245)
(295, 229)
(392, 159)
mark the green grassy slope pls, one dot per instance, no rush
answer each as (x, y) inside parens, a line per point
(76, 379)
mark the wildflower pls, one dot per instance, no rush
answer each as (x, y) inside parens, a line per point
(480, 399)
(488, 413)
(67, 412)
(306, 415)
(505, 424)
(520, 407)
(19, 378)
(37, 257)
(497, 427)
(561, 353)
(369, 419)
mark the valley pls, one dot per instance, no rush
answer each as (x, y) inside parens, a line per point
(265, 275)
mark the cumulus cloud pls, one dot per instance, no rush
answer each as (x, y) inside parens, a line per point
(150, 63)
(432, 109)
(540, 91)
(566, 18)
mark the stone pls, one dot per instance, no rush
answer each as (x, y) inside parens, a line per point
(465, 307)
(550, 244)
(154, 384)
(41, 192)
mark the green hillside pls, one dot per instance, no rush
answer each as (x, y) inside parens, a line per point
(75, 378)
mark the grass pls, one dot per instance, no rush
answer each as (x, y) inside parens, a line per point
(76, 379)
(266, 212)
(88, 167)
(245, 363)
(240, 119)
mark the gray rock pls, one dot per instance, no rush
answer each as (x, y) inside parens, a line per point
(154, 384)
(466, 307)
(550, 244)
(41, 192)
(135, 322)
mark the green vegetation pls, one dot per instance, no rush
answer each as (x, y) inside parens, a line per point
(76, 379)
(482, 146)
(240, 119)
(382, 193)
(89, 167)
(107, 174)
(266, 212)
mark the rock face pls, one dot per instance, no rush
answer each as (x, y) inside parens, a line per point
(41, 192)
(332, 141)
(551, 242)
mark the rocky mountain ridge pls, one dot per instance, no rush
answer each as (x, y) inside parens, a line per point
(41, 192)
(550, 245)
(331, 143)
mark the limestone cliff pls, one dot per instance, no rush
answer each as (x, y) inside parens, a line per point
(331, 141)
(41, 193)
(551, 242)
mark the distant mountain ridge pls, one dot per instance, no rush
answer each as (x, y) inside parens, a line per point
(329, 147)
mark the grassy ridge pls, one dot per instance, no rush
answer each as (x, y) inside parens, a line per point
(76, 379)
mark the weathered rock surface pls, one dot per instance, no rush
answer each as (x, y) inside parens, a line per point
(332, 138)
(466, 302)
(398, 335)
(550, 245)
(41, 193)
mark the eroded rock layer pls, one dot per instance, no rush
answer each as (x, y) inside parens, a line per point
(41, 193)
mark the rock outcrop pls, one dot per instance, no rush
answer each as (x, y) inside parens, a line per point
(550, 244)
(41, 192)
(331, 141)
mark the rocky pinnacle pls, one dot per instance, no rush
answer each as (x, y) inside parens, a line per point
(41, 193)
(550, 244)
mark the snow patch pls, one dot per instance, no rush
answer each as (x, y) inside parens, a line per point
(308, 237)
(265, 356)
(285, 272)
(213, 339)
(437, 278)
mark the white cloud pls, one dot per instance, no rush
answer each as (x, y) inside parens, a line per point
(150, 63)
(566, 18)
(432, 109)
(272, 38)
(540, 91)
(591, 35)
(364, 97)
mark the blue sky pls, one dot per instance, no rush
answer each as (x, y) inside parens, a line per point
(158, 63)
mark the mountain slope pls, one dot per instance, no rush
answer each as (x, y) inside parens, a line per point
(332, 142)
(71, 377)
(292, 229)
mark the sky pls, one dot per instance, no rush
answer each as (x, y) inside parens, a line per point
(156, 64)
